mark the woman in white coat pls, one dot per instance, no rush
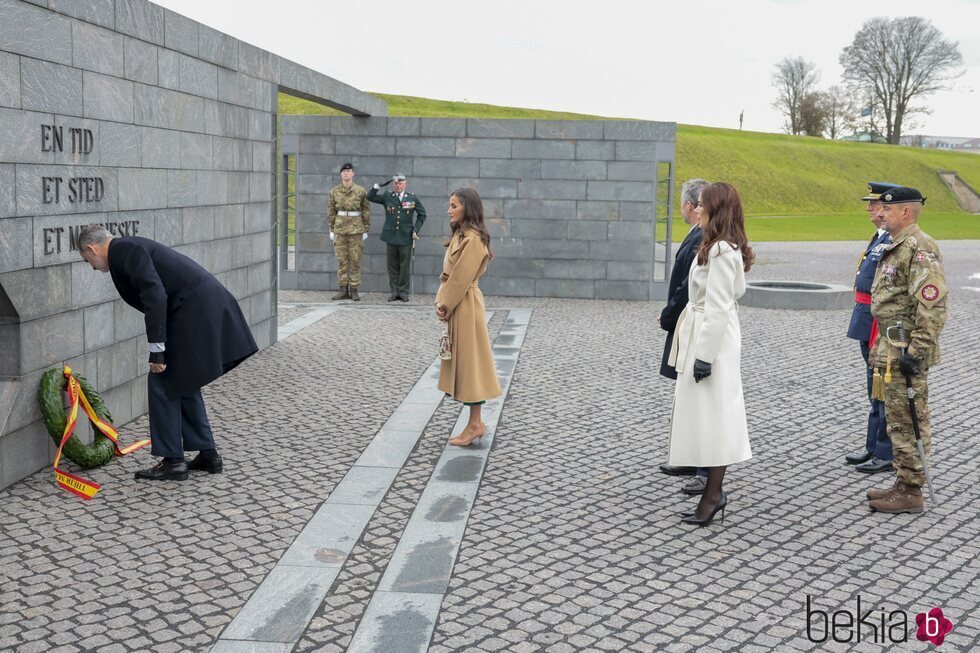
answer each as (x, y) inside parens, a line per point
(707, 427)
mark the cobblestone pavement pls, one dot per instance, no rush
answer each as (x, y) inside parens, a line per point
(573, 543)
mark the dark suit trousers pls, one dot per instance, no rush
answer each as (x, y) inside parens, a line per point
(399, 268)
(878, 442)
(176, 424)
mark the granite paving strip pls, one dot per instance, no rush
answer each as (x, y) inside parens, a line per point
(283, 605)
(403, 611)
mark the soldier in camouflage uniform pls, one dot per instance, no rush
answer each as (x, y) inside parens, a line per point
(349, 217)
(909, 287)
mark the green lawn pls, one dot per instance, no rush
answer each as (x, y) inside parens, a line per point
(792, 187)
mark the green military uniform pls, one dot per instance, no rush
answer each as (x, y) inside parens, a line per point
(403, 217)
(349, 216)
(909, 287)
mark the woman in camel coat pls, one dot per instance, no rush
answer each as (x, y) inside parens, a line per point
(470, 376)
(708, 425)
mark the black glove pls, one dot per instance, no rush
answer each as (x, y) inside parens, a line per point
(908, 364)
(157, 357)
(702, 370)
(385, 184)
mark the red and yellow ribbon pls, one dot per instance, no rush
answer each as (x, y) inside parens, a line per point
(76, 484)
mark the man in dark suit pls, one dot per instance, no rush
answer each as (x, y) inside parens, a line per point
(676, 301)
(195, 330)
(877, 453)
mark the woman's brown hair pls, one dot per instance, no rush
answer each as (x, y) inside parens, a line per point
(726, 221)
(472, 216)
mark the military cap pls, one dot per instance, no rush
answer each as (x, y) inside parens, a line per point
(901, 195)
(876, 188)
(398, 177)
(347, 166)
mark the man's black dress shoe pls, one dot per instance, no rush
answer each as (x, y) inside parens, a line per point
(211, 465)
(164, 471)
(695, 486)
(404, 299)
(858, 458)
(675, 470)
(874, 465)
(392, 298)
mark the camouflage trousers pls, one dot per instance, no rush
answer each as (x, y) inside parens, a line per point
(907, 465)
(348, 249)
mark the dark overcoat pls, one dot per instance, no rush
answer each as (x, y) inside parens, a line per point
(184, 307)
(677, 293)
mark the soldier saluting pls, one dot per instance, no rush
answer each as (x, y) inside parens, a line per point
(404, 215)
(909, 288)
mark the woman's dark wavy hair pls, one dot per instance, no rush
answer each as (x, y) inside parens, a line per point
(726, 222)
(472, 216)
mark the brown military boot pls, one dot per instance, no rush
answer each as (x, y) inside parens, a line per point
(343, 294)
(881, 492)
(353, 294)
(904, 498)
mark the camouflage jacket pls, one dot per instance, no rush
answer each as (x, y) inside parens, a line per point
(345, 201)
(909, 287)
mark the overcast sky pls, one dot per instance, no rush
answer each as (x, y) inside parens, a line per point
(695, 61)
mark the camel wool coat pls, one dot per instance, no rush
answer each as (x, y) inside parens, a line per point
(708, 426)
(470, 375)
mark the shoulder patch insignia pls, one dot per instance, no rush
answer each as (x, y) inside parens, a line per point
(929, 292)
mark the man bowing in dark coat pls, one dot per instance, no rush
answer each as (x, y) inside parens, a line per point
(195, 330)
(677, 300)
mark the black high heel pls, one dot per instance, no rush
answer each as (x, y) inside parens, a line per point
(694, 519)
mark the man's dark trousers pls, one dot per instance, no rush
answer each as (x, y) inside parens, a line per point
(399, 268)
(177, 424)
(878, 442)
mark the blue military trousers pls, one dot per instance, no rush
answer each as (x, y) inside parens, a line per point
(878, 442)
(177, 424)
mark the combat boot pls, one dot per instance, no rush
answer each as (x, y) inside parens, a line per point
(343, 294)
(353, 294)
(904, 498)
(882, 492)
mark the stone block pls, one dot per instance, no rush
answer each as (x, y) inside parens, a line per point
(263, 157)
(99, 329)
(497, 128)
(90, 287)
(40, 292)
(180, 33)
(531, 228)
(213, 118)
(261, 125)
(636, 151)
(634, 290)
(638, 130)
(571, 288)
(127, 321)
(19, 133)
(317, 144)
(159, 148)
(168, 226)
(636, 211)
(9, 80)
(554, 249)
(259, 276)
(573, 269)
(354, 125)
(633, 231)
(588, 230)
(229, 220)
(181, 188)
(52, 237)
(120, 144)
(632, 170)
(139, 405)
(630, 191)
(141, 62)
(142, 188)
(221, 254)
(23, 452)
(490, 148)
(620, 250)
(198, 77)
(212, 187)
(429, 146)
(118, 364)
(236, 281)
(49, 341)
(231, 154)
(237, 187)
(261, 186)
(403, 127)
(195, 151)
(568, 129)
(258, 63)
(258, 217)
(8, 199)
(16, 252)
(539, 209)
(442, 127)
(50, 88)
(98, 49)
(236, 121)
(365, 146)
(544, 149)
(35, 32)
(141, 19)
(71, 193)
(168, 69)
(551, 189)
(596, 210)
(69, 157)
(490, 188)
(557, 169)
(503, 287)
(595, 150)
(629, 271)
(243, 90)
(159, 107)
(510, 168)
(218, 47)
(100, 12)
(666, 151)
(261, 306)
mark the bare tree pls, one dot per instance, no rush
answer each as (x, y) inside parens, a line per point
(841, 111)
(901, 61)
(794, 78)
(813, 114)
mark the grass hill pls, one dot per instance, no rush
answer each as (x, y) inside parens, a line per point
(793, 187)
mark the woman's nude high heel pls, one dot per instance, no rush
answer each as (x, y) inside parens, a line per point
(463, 440)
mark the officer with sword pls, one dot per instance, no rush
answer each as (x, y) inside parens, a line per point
(909, 301)
(404, 215)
